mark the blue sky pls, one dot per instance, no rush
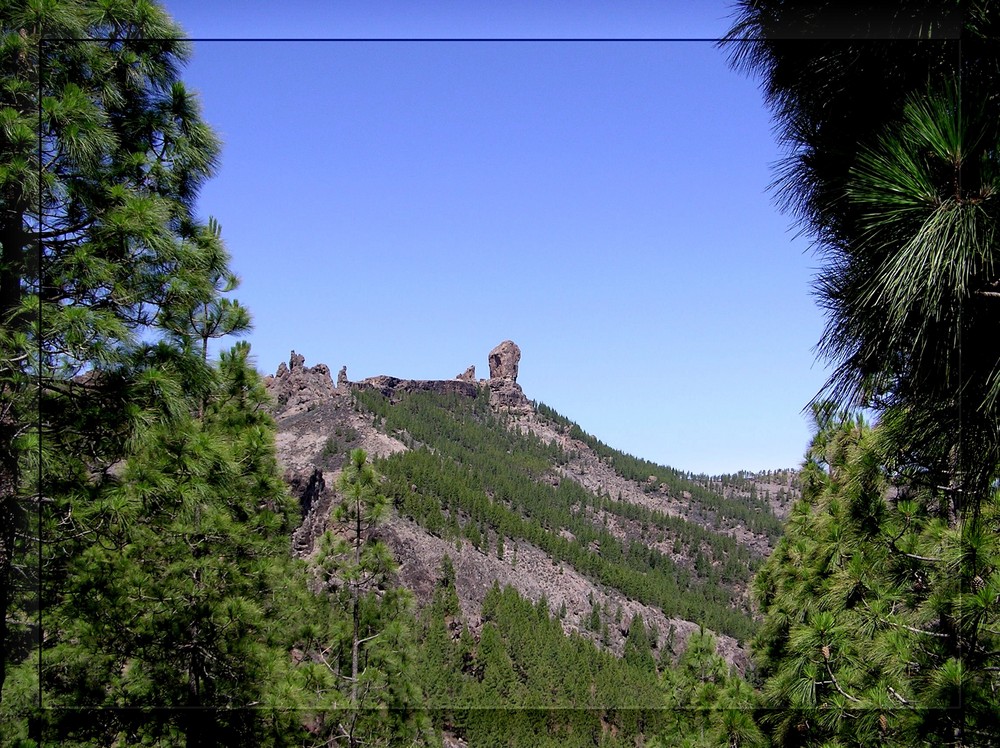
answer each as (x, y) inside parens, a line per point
(400, 207)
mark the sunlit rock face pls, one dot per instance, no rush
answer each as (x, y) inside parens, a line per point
(297, 388)
(505, 392)
(504, 360)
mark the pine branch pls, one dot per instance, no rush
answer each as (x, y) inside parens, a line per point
(833, 678)
(914, 556)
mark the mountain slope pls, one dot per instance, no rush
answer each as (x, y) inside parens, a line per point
(515, 493)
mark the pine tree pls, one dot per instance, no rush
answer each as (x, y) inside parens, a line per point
(879, 615)
(376, 649)
(869, 633)
(102, 153)
(708, 704)
(892, 168)
(148, 471)
(638, 651)
(167, 624)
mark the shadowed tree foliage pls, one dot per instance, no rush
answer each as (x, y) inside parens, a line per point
(147, 472)
(880, 603)
(892, 168)
(102, 153)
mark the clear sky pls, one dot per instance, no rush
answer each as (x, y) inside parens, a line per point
(400, 207)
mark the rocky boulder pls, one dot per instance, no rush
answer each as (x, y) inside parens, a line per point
(504, 360)
(505, 392)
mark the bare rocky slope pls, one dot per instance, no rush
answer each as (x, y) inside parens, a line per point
(319, 422)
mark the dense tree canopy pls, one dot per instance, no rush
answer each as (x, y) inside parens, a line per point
(477, 478)
(141, 510)
(102, 152)
(880, 616)
(881, 601)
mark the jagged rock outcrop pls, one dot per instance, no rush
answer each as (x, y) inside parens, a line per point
(314, 503)
(297, 388)
(505, 392)
(504, 360)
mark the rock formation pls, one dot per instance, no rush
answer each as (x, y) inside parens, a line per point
(297, 388)
(504, 360)
(314, 504)
(505, 392)
(390, 386)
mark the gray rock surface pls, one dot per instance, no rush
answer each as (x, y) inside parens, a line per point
(504, 360)
(314, 503)
(390, 386)
(297, 388)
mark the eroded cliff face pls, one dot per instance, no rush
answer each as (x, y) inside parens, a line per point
(393, 386)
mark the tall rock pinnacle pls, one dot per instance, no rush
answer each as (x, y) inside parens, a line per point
(503, 361)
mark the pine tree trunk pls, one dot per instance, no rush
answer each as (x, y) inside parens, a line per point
(355, 648)
(356, 638)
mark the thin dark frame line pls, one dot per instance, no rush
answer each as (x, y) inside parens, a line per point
(286, 40)
(477, 39)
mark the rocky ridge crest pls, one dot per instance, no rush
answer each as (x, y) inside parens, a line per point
(296, 388)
